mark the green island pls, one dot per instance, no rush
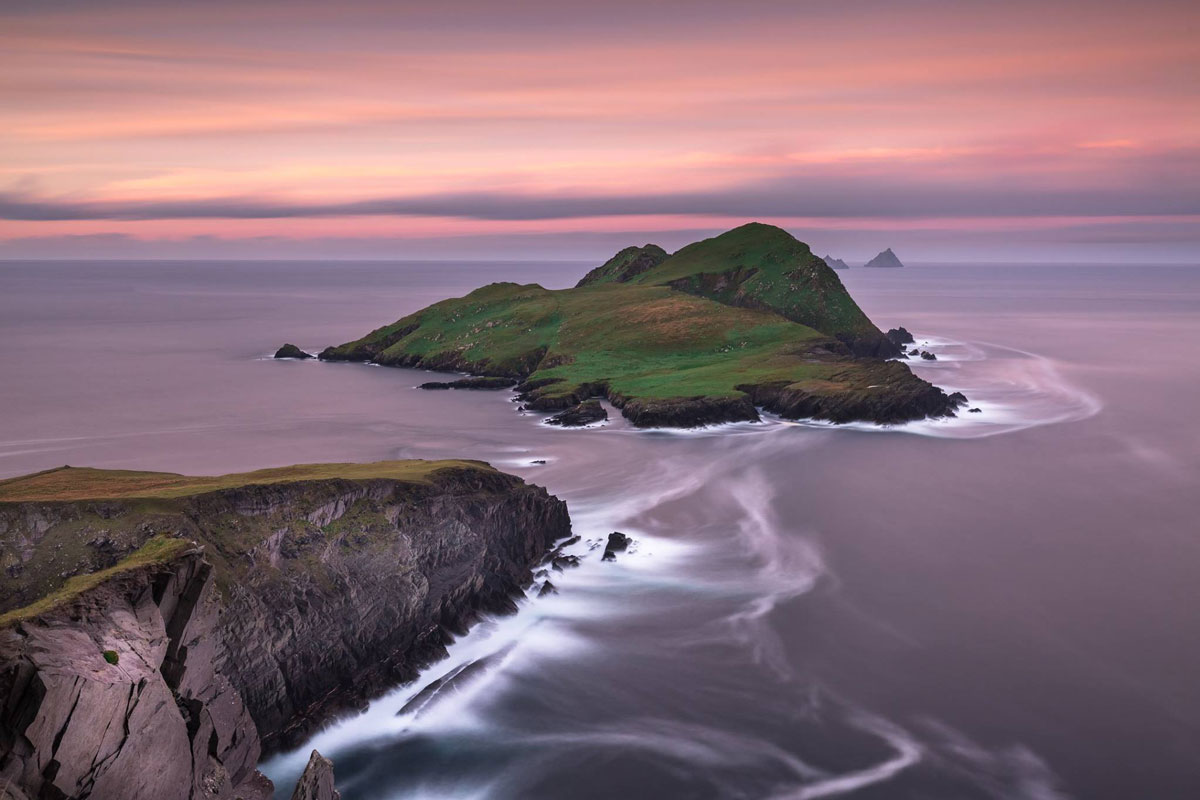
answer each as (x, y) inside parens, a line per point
(747, 320)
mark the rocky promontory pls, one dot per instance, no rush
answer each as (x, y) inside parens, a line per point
(190, 623)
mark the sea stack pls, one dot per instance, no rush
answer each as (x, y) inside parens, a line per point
(290, 350)
(885, 259)
(835, 263)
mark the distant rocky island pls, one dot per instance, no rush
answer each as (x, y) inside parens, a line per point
(886, 259)
(159, 632)
(835, 263)
(747, 320)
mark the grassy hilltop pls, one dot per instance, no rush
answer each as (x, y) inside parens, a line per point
(748, 318)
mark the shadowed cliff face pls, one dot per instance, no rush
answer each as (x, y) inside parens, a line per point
(307, 598)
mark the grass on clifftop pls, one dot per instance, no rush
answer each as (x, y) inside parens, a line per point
(157, 550)
(87, 483)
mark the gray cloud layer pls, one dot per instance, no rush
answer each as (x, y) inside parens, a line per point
(823, 197)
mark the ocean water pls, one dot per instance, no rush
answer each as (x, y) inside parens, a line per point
(1004, 605)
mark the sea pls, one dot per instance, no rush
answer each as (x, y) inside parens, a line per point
(1001, 605)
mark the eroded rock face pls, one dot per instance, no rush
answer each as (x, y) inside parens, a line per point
(159, 723)
(317, 781)
(362, 602)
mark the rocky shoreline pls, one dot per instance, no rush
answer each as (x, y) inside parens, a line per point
(271, 608)
(907, 400)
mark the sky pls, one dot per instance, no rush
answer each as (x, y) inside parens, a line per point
(951, 131)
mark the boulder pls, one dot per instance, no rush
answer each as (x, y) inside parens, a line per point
(928, 356)
(617, 543)
(291, 351)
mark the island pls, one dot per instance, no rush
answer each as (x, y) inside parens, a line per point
(712, 333)
(885, 260)
(835, 263)
(159, 632)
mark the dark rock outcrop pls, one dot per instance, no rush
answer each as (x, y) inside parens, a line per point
(617, 543)
(585, 413)
(906, 401)
(472, 383)
(928, 356)
(625, 265)
(316, 783)
(291, 351)
(899, 336)
(686, 412)
(886, 259)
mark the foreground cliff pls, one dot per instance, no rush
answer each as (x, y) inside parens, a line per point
(747, 320)
(162, 631)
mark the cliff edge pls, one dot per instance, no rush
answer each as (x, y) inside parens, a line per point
(164, 630)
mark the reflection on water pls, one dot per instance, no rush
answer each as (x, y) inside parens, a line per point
(807, 612)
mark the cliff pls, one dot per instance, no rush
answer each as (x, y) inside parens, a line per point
(115, 694)
(682, 340)
(240, 610)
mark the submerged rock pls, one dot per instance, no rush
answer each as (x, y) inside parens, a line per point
(974, 410)
(586, 413)
(559, 563)
(928, 356)
(316, 783)
(547, 588)
(291, 351)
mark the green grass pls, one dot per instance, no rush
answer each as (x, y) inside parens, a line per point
(787, 278)
(86, 483)
(639, 341)
(157, 550)
(111, 656)
(749, 307)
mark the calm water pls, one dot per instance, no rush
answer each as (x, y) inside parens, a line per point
(1001, 607)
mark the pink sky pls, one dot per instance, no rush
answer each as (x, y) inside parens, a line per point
(969, 130)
